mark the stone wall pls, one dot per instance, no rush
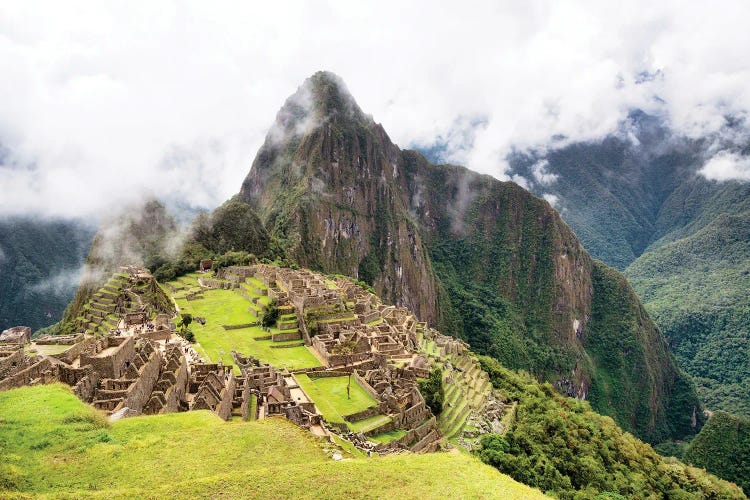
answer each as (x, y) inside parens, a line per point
(86, 386)
(224, 408)
(112, 365)
(176, 393)
(76, 350)
(367, 387)
(14, 359)
(240, 326)
(156, 335)
(42, 370)
(281, 337)
(59, 339)
(140, 391)
(362, 415)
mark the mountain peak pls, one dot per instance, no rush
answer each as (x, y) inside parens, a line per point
(322, 98)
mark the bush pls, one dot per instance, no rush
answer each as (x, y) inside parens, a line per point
(271, 316)
(432, 391)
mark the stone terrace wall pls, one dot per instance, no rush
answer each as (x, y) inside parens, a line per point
(362, 415)
(281, 337)
(40, 370)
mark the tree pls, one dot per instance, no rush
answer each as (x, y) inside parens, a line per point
(185, 321)
(346, 348)
(432, 391)
(271, 316)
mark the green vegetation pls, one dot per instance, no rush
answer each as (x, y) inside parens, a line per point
(683, 242)
(696, 288)
(432, 391)
(331, 397)
(629, 352)
(561, 446)
(39, 262)
(234, 226)
(723, 448)
(633, 377)
(228, 308)
(387, 437)
(271, 315)
(52, 444)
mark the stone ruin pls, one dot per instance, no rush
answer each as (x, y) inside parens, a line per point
(17, 369)
(143, 370)
(276, 393)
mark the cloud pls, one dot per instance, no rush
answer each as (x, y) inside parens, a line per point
(551, 199)
(726, 166)
(62, 283)
(106, 101)
(520, 180)
(541, 174)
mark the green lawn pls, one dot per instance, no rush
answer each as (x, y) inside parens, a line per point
(54, 446)
(228, 307)
(222, 307)
(329, 395)
(387, 437)
(47, 349)
(217, 344)
(369, 423)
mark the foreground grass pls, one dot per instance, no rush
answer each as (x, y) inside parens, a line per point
(54, 446)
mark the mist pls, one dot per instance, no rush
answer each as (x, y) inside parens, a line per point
(106, 103)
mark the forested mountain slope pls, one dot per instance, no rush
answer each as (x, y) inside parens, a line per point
(481, 259)
(638, 202)
(40, 262)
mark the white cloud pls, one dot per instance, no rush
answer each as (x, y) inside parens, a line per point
(541, 174)
(520, 180)
(64, 282)
(551, 199)
(105, 100)
(726, 166)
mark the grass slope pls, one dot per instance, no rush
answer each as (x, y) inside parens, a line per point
(53, 445)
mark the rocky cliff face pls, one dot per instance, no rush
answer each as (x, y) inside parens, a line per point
(482, 259)
(326, 184)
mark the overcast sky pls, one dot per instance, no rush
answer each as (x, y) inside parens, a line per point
(102, 101)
